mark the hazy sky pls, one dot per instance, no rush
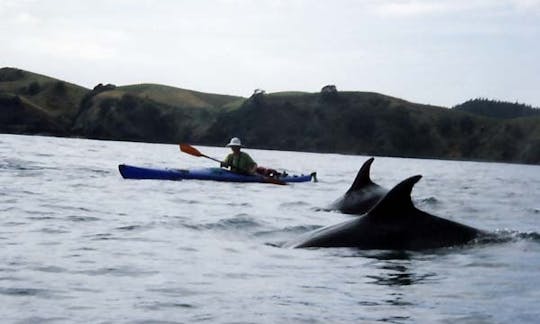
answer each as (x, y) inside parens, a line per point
(427, 51)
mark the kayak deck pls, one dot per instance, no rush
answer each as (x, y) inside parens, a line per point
(215, 174)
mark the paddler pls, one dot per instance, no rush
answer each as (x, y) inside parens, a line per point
(241, 162)
(238, 161)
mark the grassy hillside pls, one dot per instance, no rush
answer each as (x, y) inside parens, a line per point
(55, 98)
(148, 112)
(133, 112)
(325, 121)
(20, 116)
(179, 97)
(36, 104)
(121, 115)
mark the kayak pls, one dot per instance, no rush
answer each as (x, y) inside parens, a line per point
(216, 174)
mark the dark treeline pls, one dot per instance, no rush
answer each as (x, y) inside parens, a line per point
(497, 109)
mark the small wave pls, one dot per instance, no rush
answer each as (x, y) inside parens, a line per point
(233, 204)
(431, 201)
(102, 237)
(290, 232)
(382, 255)
(128, 227)
(39, 319)
(36, 218)
(174, 291)
(506, 236)
(13, 223)
(283, 237)
(397, 279)
(123, 271)
(53, 230)
(293, 204)
(531, 236)
(64, 207)
(92, 173)
(39, 212)
(93, 170)
(83, 218)
(300, 229)
(159, 305)
(51, 269)
(240, 221)
(18, 165)
(24, 292)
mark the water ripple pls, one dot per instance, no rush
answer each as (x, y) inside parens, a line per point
(74, 218)
(24, 292)
(122, 271)
(51, 269)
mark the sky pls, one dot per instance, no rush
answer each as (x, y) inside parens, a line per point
(434, 52)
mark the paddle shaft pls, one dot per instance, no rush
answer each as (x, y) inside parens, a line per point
(211, 158)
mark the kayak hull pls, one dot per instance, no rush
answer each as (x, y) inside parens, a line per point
(215, 174)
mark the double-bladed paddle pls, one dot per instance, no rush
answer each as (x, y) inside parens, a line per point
(186, 148)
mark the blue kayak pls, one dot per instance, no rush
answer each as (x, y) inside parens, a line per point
(216, 174)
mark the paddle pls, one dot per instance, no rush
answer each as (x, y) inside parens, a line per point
(186, 148)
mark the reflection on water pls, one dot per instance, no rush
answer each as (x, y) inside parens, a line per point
(392, 274)
(396, 268)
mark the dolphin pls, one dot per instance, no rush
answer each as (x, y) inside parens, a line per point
(393, 224)
(361, 196)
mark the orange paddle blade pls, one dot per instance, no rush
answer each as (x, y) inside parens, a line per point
(186, 148)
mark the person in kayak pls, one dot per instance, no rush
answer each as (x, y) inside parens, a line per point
(241, 162)
(238, 161)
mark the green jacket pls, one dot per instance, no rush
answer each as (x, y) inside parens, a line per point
(240, 163)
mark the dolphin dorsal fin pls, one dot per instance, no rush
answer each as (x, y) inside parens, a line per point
(396, 200)
(362, 178)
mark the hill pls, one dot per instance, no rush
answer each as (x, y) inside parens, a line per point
(30, 99)
(325, 121)
(375, 124)
(497, 109)
(181, 97)
(31, 103)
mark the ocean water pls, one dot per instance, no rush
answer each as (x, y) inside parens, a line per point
(79, 244)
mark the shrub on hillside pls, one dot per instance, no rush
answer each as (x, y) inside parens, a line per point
(60, 87)
(34, 88)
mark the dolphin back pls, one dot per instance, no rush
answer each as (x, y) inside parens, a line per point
(394, 223)
(363, 178)
(362, 195)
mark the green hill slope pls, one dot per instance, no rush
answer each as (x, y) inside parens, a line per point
(50, 100)
(179, 97)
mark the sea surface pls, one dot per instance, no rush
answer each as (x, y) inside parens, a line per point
(79, 244)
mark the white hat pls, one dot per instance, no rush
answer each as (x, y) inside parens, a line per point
(235, 141)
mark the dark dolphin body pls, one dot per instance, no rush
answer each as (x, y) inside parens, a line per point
(362, 195)
(393, 224)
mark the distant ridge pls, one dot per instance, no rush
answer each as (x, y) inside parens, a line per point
(497, 109)
(349, 122)
(176, 96)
